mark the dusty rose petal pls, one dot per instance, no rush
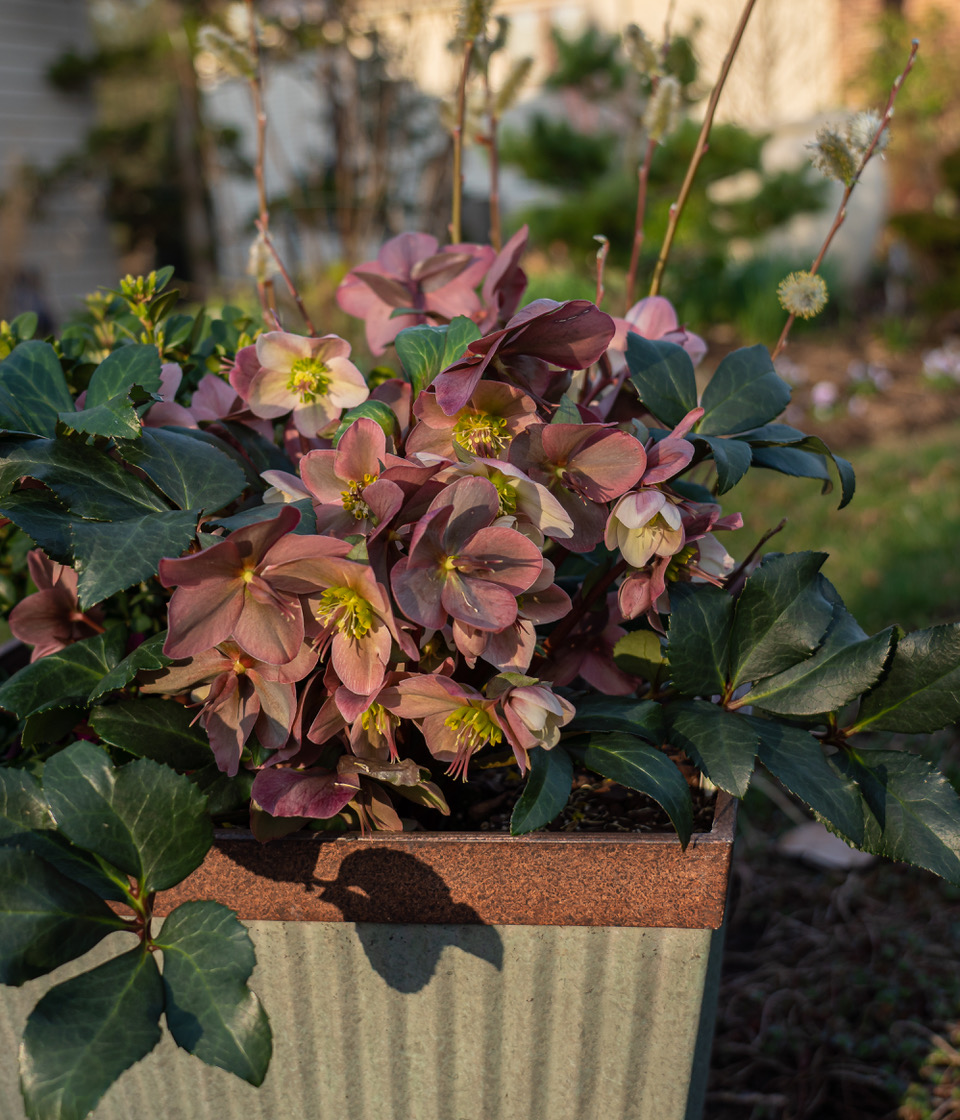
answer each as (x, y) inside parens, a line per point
(307, 793)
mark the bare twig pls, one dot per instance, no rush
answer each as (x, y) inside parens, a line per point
(643, 177)
(601, 261)
(698, 152)
(842, 209)
(493, 122)
(457, 203)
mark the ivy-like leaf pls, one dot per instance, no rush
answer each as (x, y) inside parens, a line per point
(207, 958)
(701, 618)
(781, 616)
(637, 765)
(546, 792)
(732, 458)
(662, 374)
(44, 519)
(143, 817)
(795, 758)
(425, 351)
(23, 807)
(921, 691)
(914, 811)
(611, 713)
(85, 1032)
(744, 392)
(150, 727)
(113, 555)
(46, 919)
(376, 411)
(148, 655)
(115, 418)
(722, 744)
(64, 676)
(51, 724)
(119, 371)
(33, 390)
(194, 475)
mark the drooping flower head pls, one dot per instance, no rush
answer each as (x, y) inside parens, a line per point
(51, 618)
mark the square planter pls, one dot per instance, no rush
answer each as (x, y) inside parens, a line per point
(445, 976)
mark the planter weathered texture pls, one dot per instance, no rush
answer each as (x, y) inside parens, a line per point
(454, 977)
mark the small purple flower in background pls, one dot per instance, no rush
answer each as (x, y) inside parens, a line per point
(823, 396)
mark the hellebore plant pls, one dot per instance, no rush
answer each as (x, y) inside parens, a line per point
(296, 597)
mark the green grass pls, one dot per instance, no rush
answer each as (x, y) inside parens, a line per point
(894, 551)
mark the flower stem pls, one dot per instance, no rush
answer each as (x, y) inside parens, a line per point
(493, 122)
(643, 177)
(842, 209)
(457, 202)
(698, 152)
(581, 604)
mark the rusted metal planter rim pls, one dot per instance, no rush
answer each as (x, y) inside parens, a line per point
(602, 879)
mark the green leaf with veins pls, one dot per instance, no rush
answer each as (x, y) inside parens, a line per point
(115, 418)
(546, 792)
(118, 373)
(33, 390)
(84, 1033)
(46, 919)
(147, 656)
(780, 618)
(614, 713)
(633, 763)
(193, 474)
(23, 807)
(150, 727)
(921, 690)
(424, 351)
(795, 758)
(207, 959)
(721, 743)
(43, 518)
(143, 817)
(61, 677)
(662, 373)
(913, 810)
(731, 457)
(744, 392)
(701, 617)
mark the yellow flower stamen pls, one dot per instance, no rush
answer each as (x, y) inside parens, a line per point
(481, 432)
(345, 610)
(308, 379)
(474, 727)
(352, 497)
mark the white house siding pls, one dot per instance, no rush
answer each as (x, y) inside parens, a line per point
(66, 245)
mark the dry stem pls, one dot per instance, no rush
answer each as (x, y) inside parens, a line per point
(677, 208)
(458, 145)
(842, 209)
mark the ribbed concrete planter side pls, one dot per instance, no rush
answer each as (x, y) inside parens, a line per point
(454, 977)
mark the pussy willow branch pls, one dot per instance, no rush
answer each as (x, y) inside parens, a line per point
(458, 145)
(698, 152)
(493, 140)
(265, 287)
(842, 209)
(643, 176)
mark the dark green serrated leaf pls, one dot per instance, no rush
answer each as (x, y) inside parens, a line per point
(148, 655)
(84, 1033)
(150, 727)
(610, 713)
(120, 371)
(223, 793)
(566, 412)
(732, 458)
(840, 671)
(207, 958)
(637, 765)
(791, 461)
(662, 374)
(546, 792)
(425, 351)
(701, 619)
(77, 865)
(143, 817)
(795, 758)
(86, 480)
(722, 744)
(113, 555)
(781, 616)
(744, 392)
(921, 691)
(263, 455)
(114, 419)
(380, 413)
(914, 811)
(69, 674)
(52, 724)
(193, 474)
(33, 390)
(44, 519)
(266, 512)
(45, 918)
(22, 804)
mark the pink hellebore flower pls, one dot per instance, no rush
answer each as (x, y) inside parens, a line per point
(654, 318)
(485, 425)
(51, 619)
(313, 793)
(224, 591)
(238, 695)
(310, 376)
(456, 720)
(411, 271)
(644, 524)
(460, 565)
(532, 716)
(166, 410)
(545, 333)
